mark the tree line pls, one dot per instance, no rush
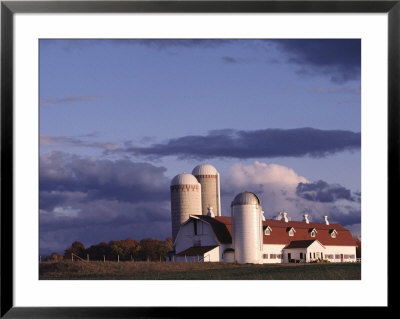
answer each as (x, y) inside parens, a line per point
(148, 249)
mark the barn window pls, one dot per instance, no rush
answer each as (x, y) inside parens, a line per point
(291, 231)
(333, 233)
(313, 232)
(265, 256)
(267, 231)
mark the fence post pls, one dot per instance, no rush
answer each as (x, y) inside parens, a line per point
(87, 257)
(104, 258)
(72, 256)
(118, 258)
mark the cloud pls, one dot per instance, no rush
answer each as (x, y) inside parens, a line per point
(120, 180)
(228, 59)
(333, 90)
(47, 140)
(321, 191)
(93, 200)
(159, 44)
(266, 143)
(185, 43)
(278, 189)
(340, 59)
(68, 99)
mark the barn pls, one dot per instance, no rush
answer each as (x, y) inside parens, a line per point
(246, 236)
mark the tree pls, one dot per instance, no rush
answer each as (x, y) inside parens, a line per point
(54, 257)
(77, 248)
(153, 249)
(97, 252)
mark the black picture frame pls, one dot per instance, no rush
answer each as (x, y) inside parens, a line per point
(9, 8)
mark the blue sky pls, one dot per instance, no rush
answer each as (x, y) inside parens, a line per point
(120, 118)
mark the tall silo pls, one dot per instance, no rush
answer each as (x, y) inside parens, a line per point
(208, 177)
(185, 200)
(247, 228)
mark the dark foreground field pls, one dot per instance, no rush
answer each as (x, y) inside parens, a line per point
(196, 271)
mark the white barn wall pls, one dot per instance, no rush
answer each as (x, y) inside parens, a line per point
(338, 250)
(272, 249)
(186, 237)
(223, 257)
(315, 248)
(209, 256)
(213, 255)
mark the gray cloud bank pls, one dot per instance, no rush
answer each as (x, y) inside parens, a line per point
(321, 191)
(95, 200)
(266, 143)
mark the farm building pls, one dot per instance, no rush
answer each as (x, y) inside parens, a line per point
(246, 236)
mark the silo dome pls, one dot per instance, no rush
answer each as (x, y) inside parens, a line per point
(208, 177)
(246, 198)
(184, 179)
(204, 169)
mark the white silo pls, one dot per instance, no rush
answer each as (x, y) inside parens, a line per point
(247, 228)
(185, 200)
(208, 177)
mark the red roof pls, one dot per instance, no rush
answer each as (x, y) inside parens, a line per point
(279, 233)
(222, 227)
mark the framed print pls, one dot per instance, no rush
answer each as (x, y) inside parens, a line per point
(160, 157)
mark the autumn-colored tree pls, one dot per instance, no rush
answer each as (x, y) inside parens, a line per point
(169, 243)
(97, 252)
(130, 249)
(358, 247)
(153, 249)
(126, 249)
(77, 248)
(54, 257)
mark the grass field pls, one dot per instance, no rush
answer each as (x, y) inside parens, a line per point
(68, 270)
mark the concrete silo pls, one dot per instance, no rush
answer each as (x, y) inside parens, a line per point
(185, 200)
(247, 236)
(208, 177)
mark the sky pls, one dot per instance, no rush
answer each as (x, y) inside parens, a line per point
(119, 118)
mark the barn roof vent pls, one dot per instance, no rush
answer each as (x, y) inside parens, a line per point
(306, 218)
(279, 216)
(210, 212)
(326, 220)
(285, 218)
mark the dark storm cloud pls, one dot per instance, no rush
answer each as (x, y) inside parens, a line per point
(338, 58)
(256, 144)
(93, 200)
(321, 191)
(115, 180)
